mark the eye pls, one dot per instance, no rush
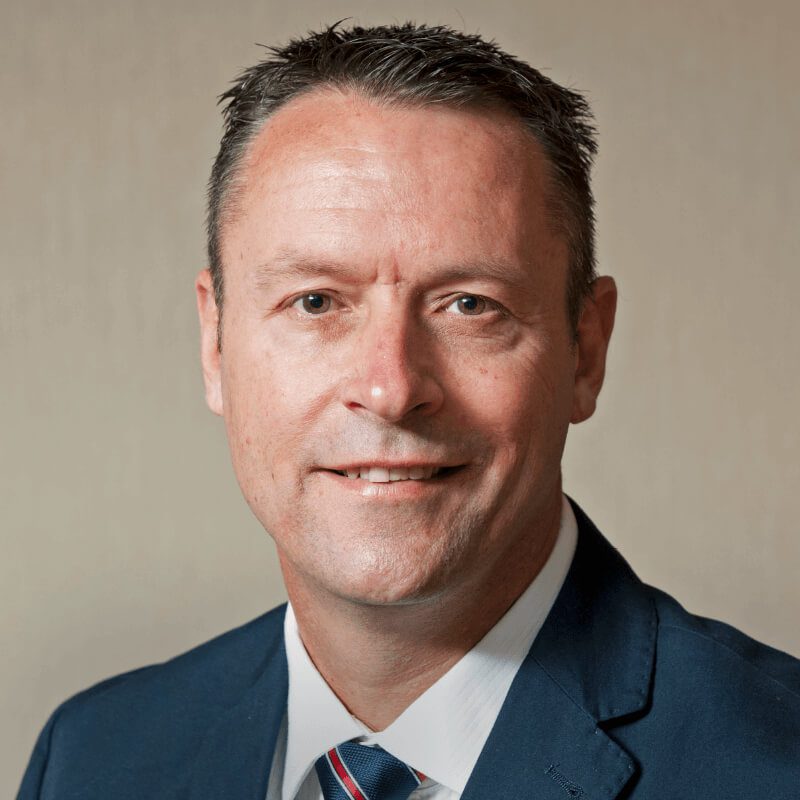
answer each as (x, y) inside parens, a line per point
(313, 303)
(468, 304)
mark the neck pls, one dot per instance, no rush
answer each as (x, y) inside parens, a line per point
(378, 659)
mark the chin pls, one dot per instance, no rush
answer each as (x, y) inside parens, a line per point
(395, 584)
(397, 564)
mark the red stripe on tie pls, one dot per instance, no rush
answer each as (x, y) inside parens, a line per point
(344, 776)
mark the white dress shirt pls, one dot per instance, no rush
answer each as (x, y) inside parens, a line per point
(443, 731)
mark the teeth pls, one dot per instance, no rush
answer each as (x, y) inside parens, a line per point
(383, 475)
(375, 474)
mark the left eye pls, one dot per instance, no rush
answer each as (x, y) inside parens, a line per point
(313, 303)
(469, 304)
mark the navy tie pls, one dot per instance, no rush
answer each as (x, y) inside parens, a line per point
(356, 772)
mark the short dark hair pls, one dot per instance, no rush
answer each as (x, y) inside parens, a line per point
(419, 65)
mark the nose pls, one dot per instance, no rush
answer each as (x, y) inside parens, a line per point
(393, 373)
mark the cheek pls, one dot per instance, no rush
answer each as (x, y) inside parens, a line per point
(256, 414)
(524, 403)
(274, 395)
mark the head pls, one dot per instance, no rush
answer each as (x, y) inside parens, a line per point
(400, 317)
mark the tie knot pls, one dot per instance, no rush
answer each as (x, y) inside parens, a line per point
(353, 771)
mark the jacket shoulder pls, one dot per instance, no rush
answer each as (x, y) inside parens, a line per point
(145, 721)
(213, 672)
(724, 712)
(714, 640)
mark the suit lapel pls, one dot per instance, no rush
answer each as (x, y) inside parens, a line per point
(545, 747)
(591, 662)
(235, 758)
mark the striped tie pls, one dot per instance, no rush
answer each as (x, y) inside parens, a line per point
(355, 772)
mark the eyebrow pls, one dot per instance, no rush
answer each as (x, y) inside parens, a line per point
(288, 264)
(292, 264)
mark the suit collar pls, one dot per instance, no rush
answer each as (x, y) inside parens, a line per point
(592, 662)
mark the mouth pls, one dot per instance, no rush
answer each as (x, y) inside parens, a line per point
(380, 474)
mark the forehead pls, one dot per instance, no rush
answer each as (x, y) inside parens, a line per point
(325, 117)
(354, 171)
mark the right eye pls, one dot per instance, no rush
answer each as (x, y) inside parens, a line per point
(313, 303)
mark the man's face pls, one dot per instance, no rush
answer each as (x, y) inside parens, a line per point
(395, 308)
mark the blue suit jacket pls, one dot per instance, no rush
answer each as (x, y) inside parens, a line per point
(623, 695)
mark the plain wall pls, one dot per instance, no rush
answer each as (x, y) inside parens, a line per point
(125, 538)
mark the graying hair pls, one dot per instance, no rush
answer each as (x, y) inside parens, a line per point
(418, 65)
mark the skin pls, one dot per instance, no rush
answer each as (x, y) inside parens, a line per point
(391, 217)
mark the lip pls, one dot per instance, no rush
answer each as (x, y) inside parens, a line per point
(406, 464)
(400, 490)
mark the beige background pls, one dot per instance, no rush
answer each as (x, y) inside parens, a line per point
(125, 539)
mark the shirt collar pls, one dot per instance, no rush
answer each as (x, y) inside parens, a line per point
(444, 730)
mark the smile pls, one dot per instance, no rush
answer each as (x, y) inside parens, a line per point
(392, 474)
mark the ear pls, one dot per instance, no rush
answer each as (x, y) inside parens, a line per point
(210, 356)
(594, 332)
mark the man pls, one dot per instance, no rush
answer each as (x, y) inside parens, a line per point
(400, 320)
